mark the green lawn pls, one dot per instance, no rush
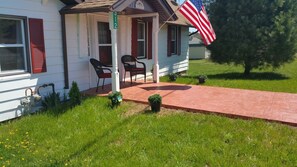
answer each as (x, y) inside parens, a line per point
(95, 135)
(280, 80)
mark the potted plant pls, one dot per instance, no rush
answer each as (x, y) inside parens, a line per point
(155, 102)
(202, 79)
(172, 76)
(116, 98)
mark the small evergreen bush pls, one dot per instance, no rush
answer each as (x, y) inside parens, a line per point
(202, 79)
(50, 101)
(155, 102)
(74, 94)
(172, 76)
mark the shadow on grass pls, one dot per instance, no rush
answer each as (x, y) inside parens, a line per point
(98, 140)
(63, 107)
(252, 76)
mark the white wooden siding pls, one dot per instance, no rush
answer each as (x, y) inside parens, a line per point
(12, 88)
(78, 59)
(173, 63)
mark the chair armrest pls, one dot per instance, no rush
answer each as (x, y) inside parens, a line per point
(109, 66)
(141, 63)
(107, 69)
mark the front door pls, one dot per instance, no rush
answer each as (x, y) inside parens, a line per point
(104, 43)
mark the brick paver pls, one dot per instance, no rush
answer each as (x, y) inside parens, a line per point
(281, 107)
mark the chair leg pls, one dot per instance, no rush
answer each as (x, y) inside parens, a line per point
(125, 77)
(103, 83)
(97, 84)
(145, 77)
(130, 77)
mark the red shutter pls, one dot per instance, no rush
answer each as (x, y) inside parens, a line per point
(179, 40)
(134, 38)
(169, 40)
(149, 40)
(37, 45)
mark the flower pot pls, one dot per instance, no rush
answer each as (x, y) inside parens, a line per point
(156, 107)
(116, 101)
(201, 80)
(172, 78)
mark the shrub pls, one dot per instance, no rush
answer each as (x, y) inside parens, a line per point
(202, 78)
(50, 101)
(172, 76)
(155, 102)
(74, 95)
(116, 98)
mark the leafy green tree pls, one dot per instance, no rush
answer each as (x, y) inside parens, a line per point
(254, 33)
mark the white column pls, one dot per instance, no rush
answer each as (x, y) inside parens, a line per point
(115, 74)
(155, 48)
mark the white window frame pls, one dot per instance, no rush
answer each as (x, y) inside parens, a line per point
(142, 40)
(23, 45)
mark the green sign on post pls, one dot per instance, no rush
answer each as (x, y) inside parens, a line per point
(115, 20)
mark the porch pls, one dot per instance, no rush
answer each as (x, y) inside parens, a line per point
(271, 106)
(108, 30)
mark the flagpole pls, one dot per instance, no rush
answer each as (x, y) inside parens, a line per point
(171, 15)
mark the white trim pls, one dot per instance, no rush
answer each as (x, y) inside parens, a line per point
(144, 15)
(15, 77)
(11, 45)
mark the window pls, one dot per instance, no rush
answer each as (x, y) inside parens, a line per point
(141, 41)
(174, 40)
(173, 43)
(104, 43)
(13, 57)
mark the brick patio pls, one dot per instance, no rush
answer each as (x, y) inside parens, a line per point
(280, 107)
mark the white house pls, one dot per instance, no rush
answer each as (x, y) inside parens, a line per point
(52, 41)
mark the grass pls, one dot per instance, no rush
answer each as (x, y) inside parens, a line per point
(283, 79)
(95, 135)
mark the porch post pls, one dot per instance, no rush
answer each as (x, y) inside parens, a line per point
(113, 23)
(155, 48)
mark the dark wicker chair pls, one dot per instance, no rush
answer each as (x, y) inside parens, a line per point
(101, 70)
(130, 64)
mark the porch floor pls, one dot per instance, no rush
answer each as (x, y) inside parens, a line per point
(272, 106)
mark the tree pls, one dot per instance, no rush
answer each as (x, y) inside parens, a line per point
(254, 33)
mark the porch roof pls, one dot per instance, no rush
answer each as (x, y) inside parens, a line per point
(181, 19)
(164, 9)
(88, 7)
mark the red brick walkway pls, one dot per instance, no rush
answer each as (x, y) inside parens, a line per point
(281, 107)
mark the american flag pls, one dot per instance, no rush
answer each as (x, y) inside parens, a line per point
(195, 12)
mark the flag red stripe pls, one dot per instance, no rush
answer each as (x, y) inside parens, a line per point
(195, 25)
(194, 19)
(198, 19)
(202, 21)
(190, 11)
